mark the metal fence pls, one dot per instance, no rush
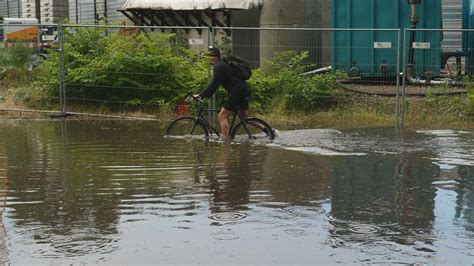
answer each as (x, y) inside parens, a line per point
(100, 72)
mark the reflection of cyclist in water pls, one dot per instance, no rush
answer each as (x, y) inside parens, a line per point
(230, 183)
(465, 195)
(239, 90)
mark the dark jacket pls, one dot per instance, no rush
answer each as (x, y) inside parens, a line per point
(223, 75)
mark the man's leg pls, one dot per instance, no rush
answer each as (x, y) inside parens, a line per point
(224, 123)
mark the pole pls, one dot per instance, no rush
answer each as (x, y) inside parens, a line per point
(212, 102)
(62, 87)
(397, 108)
(77, 12)
(105, 11)
(405, 69)
(95, 11)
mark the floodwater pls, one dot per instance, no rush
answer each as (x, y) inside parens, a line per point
(117, 192)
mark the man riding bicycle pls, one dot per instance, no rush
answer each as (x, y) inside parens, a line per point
(238, 89)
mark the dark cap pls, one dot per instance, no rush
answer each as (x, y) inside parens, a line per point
(213, 51)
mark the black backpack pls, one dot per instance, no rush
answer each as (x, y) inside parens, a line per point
(240, 67)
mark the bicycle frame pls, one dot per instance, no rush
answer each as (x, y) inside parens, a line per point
(202, 118)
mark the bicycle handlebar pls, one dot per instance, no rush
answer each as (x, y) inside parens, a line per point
(194, 98)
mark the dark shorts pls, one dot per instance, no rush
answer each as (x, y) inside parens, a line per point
(238, 98)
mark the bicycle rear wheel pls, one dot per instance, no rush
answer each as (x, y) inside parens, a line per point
(187, 127)
(253, 129)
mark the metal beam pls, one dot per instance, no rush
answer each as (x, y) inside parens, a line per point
(151, 16)
(125, 13)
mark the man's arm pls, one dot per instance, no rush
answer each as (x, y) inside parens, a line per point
(218, 78)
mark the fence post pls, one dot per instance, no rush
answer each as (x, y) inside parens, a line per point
(398, 104)
(404, 78)
(212, 102)
(62, 87)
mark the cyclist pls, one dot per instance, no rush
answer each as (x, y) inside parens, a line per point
(238, 89)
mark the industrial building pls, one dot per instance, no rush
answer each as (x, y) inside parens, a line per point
(84, 11)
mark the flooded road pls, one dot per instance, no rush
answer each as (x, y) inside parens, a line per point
(118, 192)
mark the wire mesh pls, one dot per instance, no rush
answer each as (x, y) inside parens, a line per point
(439, 70)
(23, 49)
(147, 70)
(129, 69)
(312, 70)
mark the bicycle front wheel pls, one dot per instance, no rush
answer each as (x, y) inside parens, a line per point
(253, 129)
(187, 127)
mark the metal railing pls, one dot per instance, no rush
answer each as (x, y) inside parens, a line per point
(293, 67)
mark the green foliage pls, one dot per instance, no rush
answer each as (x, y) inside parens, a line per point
(138, 69)
(225, 45)
(470, 97)
(16, 56)
(281, 84)
(158, 69)
(14, 64)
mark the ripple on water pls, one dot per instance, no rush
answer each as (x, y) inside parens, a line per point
(227, 216)
(297, 232)
(362, 228)
(465, 235)
(378, 248)
(225, 235)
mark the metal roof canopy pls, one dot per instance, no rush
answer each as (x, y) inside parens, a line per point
(185, 13)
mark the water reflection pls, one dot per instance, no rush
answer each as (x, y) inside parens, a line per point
(230, 183)
(383, 202)
(107, 191)
(465, 197)
(3, 199)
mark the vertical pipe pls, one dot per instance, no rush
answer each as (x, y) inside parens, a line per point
(77, 12)
(8, 9)
(62, 87)
(105, 11)
(413, 22)
(95, 11)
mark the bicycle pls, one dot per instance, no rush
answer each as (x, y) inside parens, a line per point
(198, 126)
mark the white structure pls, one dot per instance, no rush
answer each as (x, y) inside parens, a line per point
(46, 11)
(452, 19)
(29, 8)
(192, 4)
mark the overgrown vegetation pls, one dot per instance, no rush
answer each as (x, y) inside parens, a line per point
(470, 94)
(157, 69)
(280, 84)
(149, 69)
(14, 65)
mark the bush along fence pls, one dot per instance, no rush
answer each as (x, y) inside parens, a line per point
(151, 70)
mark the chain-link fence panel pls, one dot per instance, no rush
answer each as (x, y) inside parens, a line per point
(437, 72)
(132, 69)
(315, 70)
(24, 48)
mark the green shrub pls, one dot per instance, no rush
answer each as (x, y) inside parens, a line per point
(138, 69)
(158, 69)
(471, 99)
(14, 64)
(281, 84)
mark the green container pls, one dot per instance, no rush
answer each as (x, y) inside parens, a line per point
(374, 53)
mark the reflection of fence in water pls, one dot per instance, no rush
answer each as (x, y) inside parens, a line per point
(3, 199)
